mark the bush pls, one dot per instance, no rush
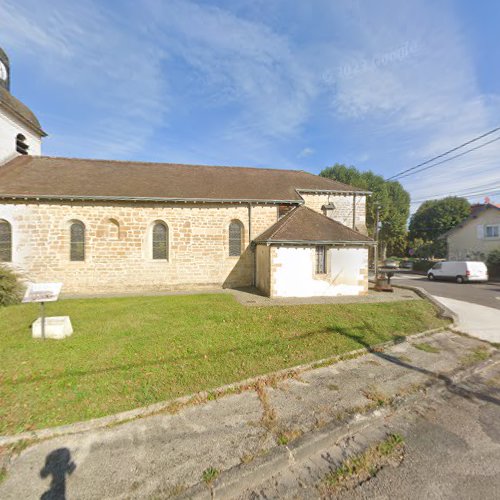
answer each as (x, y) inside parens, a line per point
(423, 265)
(493, 263)
(10, 287)
(430, 249)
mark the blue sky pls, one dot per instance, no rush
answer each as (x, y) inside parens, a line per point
(382, 85)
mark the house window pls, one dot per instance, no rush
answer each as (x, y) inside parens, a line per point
(5, 241)
(492, 231)
(160, 241)
(235, 238)
(321, 260)
(77, 241)
(21, 146)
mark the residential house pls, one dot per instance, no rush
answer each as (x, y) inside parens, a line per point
(476, 236)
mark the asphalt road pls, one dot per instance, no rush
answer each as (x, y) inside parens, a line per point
(484, 294)
(452, 449)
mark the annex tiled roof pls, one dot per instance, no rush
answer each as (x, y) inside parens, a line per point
(69, 178)
(20, 110)
(304, 225)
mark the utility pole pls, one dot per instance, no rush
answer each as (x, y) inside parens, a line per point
(375, 253)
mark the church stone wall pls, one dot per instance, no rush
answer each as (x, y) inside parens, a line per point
(118, 259)
(344, 208)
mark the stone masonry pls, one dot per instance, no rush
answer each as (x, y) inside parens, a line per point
(118, 242)
(343, 212)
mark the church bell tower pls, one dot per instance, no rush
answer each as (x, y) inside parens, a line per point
(20, 130)
(4, 70)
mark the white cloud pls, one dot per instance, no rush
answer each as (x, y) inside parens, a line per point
(306, 152)
(108, 72)
(418, 102)
(395, 78)
(240, 61)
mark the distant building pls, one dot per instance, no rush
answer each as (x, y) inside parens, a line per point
(113, 226)
(475, 237)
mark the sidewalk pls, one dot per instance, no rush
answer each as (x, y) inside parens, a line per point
(476, 320)
(174, 454)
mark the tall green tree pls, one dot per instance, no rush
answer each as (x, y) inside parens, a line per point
(432, 219)
(393, 200)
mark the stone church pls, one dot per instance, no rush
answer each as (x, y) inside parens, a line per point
(103, 226)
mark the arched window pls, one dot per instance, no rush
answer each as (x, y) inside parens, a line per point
(235, 238)
(21, 146)
(114, 229)
(77, 245)
(5, 241)
(160, 241)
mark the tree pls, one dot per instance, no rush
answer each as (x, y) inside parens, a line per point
(393, 200)
(434, 218)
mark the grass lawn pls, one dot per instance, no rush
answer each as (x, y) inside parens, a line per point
(131, 352)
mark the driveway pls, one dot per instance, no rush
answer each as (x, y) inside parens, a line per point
(452, 449)
(483, 294)
(476, 304)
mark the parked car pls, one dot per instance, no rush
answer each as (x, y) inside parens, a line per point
(391, 264)
(406, 264)
(461, 272)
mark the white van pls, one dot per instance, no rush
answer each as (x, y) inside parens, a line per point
(460, 272)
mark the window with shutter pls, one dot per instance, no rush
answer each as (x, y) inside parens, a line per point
(77, 241)
(235, 238)
(5, 241)
(160, 241)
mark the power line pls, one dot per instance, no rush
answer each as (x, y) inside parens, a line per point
(451, 158)
(482, 189)
(487, 187)
(471, 195)
(444, 154)
(468, 195)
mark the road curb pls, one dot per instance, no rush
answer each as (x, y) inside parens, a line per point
(197, 398)
(246, 476)
(444, 312)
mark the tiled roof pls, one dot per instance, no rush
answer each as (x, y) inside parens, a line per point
(69, 178)
(20, 110)
(304, 225)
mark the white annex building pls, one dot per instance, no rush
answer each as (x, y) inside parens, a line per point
(101, 226)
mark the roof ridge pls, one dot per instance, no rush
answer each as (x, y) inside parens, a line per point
(304, 224)
(335, 222)
(289, 217)
(140, 162)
